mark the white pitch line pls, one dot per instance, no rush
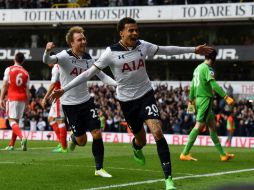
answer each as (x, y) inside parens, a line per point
(7, 162)
(176, 178)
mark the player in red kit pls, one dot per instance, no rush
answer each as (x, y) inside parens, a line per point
(16, 86)
(56, 116)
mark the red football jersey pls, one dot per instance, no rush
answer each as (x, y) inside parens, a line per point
(17, 83)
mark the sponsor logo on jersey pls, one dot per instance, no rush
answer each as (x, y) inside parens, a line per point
(134, 65)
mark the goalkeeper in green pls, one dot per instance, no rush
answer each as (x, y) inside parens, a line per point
(201, 99)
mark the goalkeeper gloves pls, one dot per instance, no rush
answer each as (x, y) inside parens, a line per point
(229, 100)
(191, 108)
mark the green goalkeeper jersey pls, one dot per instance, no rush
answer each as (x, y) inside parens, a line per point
(201, 86)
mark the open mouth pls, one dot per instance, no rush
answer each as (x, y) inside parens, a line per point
(133, 39)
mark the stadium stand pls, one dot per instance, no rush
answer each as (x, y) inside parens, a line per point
(172, 103)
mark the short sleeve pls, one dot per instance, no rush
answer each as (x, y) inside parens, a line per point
(151, 48)
(7, 74)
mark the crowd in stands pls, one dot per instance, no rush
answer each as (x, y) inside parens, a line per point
(172, 103)
(14, 4)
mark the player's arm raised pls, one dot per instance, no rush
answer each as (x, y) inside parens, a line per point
(47, 58)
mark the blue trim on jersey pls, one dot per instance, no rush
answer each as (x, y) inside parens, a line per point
(119, 47)
(84, 56)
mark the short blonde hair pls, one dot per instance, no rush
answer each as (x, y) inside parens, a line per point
(71, 31)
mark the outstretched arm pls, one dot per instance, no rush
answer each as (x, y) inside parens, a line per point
(106, 79)
(83, 77)
(175, 50)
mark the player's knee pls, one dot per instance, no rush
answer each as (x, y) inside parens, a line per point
(81, 141)
(158, 134)
(96, 133)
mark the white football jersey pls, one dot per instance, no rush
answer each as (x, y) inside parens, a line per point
(70, 67)
(128, 68)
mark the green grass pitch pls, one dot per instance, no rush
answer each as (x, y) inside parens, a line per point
(40, 169)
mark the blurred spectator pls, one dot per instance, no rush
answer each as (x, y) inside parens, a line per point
(41, 125)
(229, 90)
(41, 91)
(32, 91)
(33, 124)
(230, 129)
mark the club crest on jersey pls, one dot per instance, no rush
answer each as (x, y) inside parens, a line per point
(212, 73)
(132, 66)
(121, 57)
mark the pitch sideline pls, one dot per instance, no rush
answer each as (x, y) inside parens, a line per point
(176, 178)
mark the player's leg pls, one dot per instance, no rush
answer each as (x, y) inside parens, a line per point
(138, 142)
(13, 139)
(10, 147)
(131, 111)
(15, 110)
(213, 134)
(91, 120)
(54, 126)
(151, 116)
(75, 114)
(62, 136)
(203, 107)
(155, 126)
(185, 155)
(98, 153)
(60, 119)
(53, 123)
(63, 133)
